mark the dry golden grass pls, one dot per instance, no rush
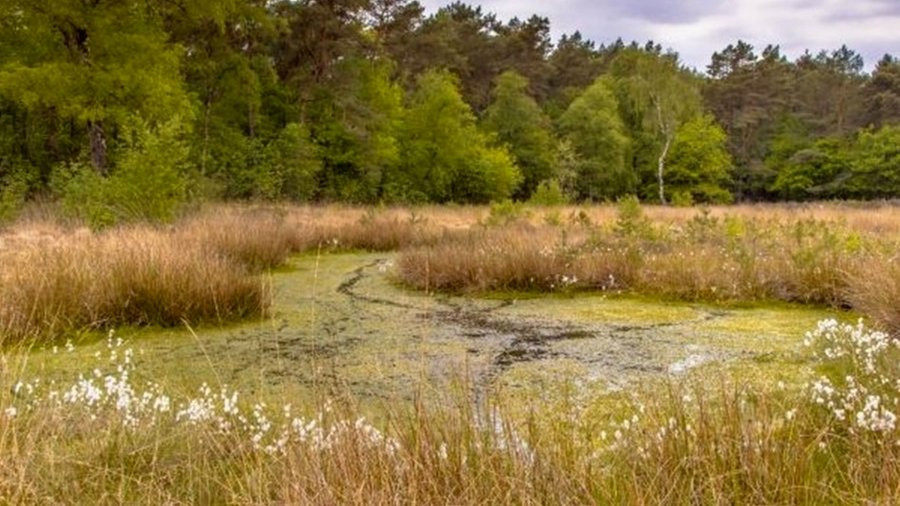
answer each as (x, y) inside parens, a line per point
(675, 263)
(137, 276)
(258, 240)
(875, 289)
(57, 277)
(705, 258)
(881, 218)
(731, 444)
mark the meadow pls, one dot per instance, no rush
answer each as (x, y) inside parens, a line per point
(454, 355)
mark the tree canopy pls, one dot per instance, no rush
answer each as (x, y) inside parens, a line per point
(370, 101)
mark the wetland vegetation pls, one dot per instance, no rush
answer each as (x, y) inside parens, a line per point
(454, 355)
(358, 252)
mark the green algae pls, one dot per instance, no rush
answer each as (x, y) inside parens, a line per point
(341, 324)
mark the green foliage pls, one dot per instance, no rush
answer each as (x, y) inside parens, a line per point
(518, 122)
(791, 136)
(357, 124)
(293, 164)
(446, 157)
(13, 191)
(149, 182)
(593, 127)
(549, 193)
(284, 168)
(630, 219)
(505, 212)
(17, 178)
(875, 164)
(867, 166)
(338, 101)
(94, 64)
(825, 95)
(682, 198)
(699, 163)
(656, 98)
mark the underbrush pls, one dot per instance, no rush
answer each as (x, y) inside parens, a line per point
(875, 289)
(107, 437)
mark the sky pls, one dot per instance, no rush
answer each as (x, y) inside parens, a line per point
(696, 28)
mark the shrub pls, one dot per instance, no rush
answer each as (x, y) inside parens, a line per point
(504, 213)
(149, 181)
(630, 218)
(12, 196)
(294, 160)
(682, 198)
(548, 193)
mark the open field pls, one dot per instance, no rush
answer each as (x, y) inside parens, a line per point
(229, 357)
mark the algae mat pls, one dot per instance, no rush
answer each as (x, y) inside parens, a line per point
(340, 323)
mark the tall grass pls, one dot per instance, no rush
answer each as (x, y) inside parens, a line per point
(203, 269)
(133, 276)
(875, 289)
(705, 258)
(108, 438)
(52, 274)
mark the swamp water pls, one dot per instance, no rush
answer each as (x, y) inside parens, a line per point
(341, 324)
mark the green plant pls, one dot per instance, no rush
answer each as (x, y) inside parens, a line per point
(682, 198)
(12, 196)
(548, 193)
(630, 219)
(505, 212)
(149, 182)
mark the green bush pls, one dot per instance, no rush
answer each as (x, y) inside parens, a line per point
(549, 193)
(13, 190)
(682, 198)
(149, 181)
(505, 212)
(292, 162)
(630, 219)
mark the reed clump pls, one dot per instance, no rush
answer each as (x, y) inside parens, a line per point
(706, 258)
(133, 276)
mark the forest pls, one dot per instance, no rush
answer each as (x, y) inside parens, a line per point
(128, 110)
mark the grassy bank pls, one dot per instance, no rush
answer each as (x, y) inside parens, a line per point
(109, 437)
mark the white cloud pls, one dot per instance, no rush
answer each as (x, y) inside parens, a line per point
(696, 28)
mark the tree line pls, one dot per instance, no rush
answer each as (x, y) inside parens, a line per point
(128, 108)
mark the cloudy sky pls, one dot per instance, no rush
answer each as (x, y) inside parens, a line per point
(696, 28)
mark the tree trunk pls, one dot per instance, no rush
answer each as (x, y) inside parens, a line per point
(661, 163)
(98, 146)
(205, 153)
(661, 166)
